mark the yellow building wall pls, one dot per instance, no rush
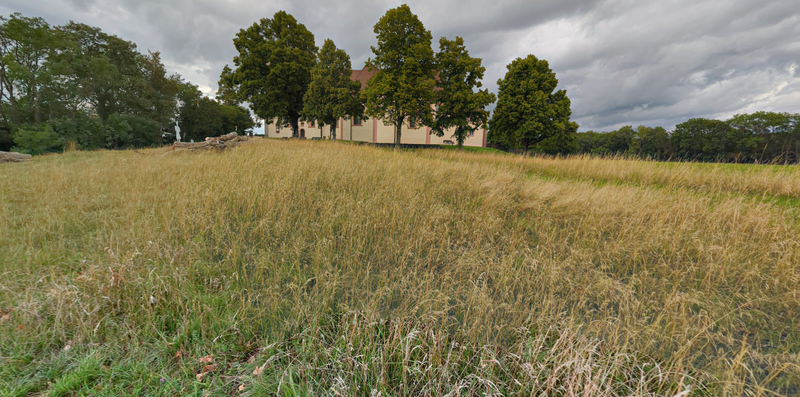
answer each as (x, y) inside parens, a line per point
(372, 130)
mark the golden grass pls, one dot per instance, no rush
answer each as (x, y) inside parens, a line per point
(673, 277)
(782, 181)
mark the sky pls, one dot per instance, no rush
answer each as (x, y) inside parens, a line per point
(622, 62)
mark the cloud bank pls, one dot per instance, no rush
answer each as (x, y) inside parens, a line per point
(621, 61)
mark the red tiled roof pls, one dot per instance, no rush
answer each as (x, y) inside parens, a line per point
(363, 76)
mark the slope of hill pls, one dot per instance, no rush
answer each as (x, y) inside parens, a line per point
(318, 268)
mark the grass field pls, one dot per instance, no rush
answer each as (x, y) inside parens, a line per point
(295, 268)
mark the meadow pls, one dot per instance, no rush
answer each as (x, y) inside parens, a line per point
(297, 268)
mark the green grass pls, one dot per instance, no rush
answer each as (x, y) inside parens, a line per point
(311, 268)
(474, 149)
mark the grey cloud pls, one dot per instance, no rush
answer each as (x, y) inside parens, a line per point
(622, 61)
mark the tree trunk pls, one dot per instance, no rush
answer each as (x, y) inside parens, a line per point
(36, 99)
(351, 129)
(398, 130)
(295, 127)
(460, 137)
(333, 130)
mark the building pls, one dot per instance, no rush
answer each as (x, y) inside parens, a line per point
(374, 130)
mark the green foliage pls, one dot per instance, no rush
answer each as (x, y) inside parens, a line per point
(561, 142)
(273, 68)
(653, 142)
(37, 139)
(702, 139)
(761, 137)
(331, 94)
(95, 88)
(403, 86)
(24, 47)
(226, 91)
(201, 117)
(6, 140)
(458, 105)
(529, 110)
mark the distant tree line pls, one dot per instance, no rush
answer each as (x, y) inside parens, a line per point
(762, 137)
(75, 85)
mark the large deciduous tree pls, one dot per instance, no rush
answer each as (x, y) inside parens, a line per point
(227, 92)
(459, 106)
(273, 68)
(25, 44)
(403, 86)
(78, 84)
(529, 109)
(332, 94)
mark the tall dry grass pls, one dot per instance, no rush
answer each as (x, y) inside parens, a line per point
(345, 270)
(747, 179)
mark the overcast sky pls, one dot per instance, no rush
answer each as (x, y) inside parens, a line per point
(622, 62)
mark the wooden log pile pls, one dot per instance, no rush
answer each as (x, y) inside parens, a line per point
(217, 143)
(13, 157)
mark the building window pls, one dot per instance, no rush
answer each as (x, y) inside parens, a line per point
(311, 123)
(302, 124)
(412, 123)
(472, 133)
(356, 120)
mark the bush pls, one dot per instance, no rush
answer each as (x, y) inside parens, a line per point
(37, 139)
(6, 142)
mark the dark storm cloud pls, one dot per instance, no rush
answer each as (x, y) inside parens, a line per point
(622, 61)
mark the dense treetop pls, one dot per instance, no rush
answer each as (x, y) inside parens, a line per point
(403, 86)
(331, 94)
(459, 106)
(529, 109)
(76, 85)
(273, 69)
(763, 137)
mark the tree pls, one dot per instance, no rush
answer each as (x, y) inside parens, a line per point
(653, 142)
(37, 139)
(403, 86)
(459, 106)
(529, 110)
(562, 142)
(227, 90)
(104, 76)
(273, 68)
(331, 94)
(703, 139)
(760, 134)
(24, 46)
(201, 117)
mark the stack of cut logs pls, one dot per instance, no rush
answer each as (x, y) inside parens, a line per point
(13, 157)
(224, 142)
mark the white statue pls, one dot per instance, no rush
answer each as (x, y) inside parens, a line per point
(177, 132)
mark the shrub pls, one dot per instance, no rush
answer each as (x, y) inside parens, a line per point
(37, 139)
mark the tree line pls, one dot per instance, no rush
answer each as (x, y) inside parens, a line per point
(284, 77)
(74, 85)
(760, 137)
